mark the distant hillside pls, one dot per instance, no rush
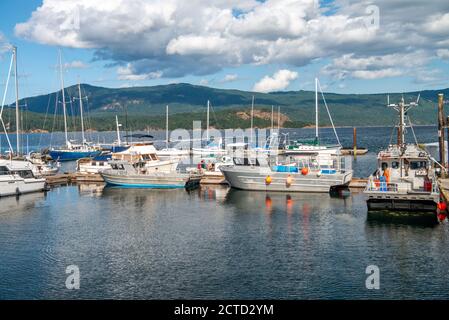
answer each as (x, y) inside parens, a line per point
(145, 107)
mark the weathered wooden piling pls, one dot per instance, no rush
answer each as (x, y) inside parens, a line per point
(354, 143)
(441, 126)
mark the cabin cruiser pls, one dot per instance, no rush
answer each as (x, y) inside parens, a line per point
(124, 174)
(41, 165)
(303, 175)
(93, 165)
(16, 177)
(142, 152)
(405, 179)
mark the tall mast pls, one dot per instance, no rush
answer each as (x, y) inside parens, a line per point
(81, 113)
(252, 119)
(118, 130)
(272, 117)
(14, 50)
(63, 99)
(166, 126)
(207, 121)
(279, 119)
(401, 131)
(316, 109)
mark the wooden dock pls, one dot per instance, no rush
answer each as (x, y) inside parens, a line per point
(213, 178)
(88, 178)
(358, 183)
(73, 177)
(59, 179)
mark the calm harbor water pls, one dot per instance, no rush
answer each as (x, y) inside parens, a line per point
(219, 243)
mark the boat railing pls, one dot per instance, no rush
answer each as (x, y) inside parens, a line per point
(377, 185)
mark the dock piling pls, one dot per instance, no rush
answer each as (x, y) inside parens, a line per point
(441, 125)
(355, 142)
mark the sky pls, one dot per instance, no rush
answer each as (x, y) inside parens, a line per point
(374, 46)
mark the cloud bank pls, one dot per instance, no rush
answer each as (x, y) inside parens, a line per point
(172, 38)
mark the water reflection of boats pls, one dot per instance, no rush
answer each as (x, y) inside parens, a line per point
(17, 205)
(253, 199)
(213, 192)
(417, 219)
(91, 188)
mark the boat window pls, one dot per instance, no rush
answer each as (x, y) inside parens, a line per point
(121, 167)
(153, 157)
(4, 170)
(418, 165)
(26, 174)
(395, 164)
(146, 157)
(246, 162)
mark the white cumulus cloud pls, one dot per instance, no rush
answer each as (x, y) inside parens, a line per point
(175, 38)
(279, 81)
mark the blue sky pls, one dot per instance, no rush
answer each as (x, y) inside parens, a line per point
(248, 45)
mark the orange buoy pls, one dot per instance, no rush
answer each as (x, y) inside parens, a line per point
(304, 171)
(289, 181)
(268, 180)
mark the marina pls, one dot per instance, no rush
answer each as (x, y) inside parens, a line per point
(210, 222)
(231, 157)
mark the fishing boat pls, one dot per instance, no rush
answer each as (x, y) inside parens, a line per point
(124, 174)
(16, 177)
(304, 175)
(72, 150)
(405, 179)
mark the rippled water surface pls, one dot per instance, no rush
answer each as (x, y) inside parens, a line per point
(216, 242)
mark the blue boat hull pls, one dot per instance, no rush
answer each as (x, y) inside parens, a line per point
(63, 155)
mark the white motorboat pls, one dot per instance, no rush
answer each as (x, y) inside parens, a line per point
(16, 177)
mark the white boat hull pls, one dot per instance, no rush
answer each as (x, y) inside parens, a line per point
(254, 178)
(13, 185)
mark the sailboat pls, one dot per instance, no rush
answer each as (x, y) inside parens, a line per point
(16, 176)
(118, 145)
(72, 151)
(167, 151)
(304, 147)
(212, 148)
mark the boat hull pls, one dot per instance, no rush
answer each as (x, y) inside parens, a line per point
(154, 181)
(63, 155)
(405, 203)
(9, 187)
(254, 178)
